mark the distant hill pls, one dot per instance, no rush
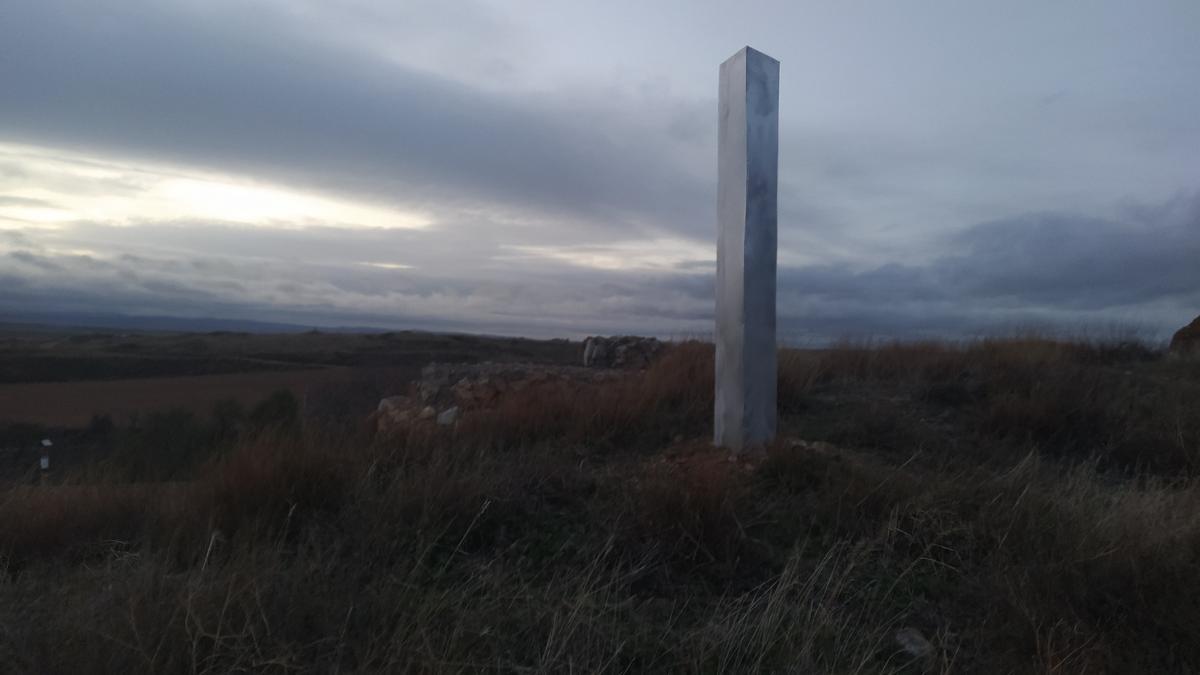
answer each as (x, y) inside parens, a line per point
(29, 321)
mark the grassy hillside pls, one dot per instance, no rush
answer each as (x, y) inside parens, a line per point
(1021, 506)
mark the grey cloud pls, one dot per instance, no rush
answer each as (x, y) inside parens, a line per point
(1136, 268)
(16, 238)
(217, 247)
(545, 300)
(31, 259)
(219, 92)
(892, 147)
(1081, 262)
(13, 200)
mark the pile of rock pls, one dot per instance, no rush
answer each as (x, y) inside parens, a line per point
(396, 411)
(1187, 339)
(448, 390)
(625, 351)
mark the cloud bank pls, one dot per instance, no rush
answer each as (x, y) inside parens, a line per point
(509, 168)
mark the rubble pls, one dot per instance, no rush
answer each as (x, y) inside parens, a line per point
(626, 351)
(446, 392)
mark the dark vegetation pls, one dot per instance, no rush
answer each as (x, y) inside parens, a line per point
(1025, 505)
(63, 357)
(156, 446)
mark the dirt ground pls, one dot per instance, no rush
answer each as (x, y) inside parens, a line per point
(72, 404)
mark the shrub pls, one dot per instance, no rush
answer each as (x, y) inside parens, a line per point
(161, 446)
(280, 409)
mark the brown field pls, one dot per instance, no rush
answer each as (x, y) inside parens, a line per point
(62, 378)
(72, 404)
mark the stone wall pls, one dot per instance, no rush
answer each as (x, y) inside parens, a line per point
(446, 391)
(626, 351)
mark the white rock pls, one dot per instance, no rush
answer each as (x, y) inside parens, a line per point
(913, 643)
(625, 351)
(394, 404)
(448, 416)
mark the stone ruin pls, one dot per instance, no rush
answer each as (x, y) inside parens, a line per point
(626, 351)
(1187, 339)
(446, 391)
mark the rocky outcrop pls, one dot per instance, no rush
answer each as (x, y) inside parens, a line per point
(1187, 339)
(446, 392)
(480, 385)
(626, 351)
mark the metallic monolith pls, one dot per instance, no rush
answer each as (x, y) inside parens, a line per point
(748, 166)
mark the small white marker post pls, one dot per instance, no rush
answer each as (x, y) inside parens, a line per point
(747, 185)
(44, 462)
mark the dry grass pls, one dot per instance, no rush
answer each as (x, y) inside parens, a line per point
(1026, 506)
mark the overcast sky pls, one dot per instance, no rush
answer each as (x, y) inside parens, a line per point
(548, 168)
